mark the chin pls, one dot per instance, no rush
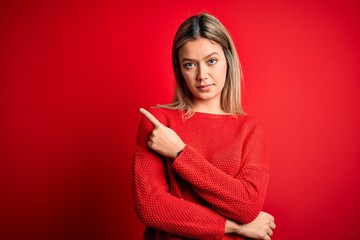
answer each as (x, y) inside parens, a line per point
(205, 97)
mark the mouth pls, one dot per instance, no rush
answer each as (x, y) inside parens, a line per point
(204, 87)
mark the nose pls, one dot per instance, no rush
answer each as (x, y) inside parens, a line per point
(202, 73)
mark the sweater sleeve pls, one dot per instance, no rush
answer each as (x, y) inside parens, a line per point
(239, 198)
(157, 208)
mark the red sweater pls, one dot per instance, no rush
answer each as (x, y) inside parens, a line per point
(221, 174)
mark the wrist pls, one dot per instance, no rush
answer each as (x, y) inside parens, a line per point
(240, 229)
(232, 227)
(178, 152)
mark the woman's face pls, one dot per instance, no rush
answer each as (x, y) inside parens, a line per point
(203, 66)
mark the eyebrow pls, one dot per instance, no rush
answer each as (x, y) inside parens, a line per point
(207, 56)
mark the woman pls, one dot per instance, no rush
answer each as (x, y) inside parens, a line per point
(201, 165)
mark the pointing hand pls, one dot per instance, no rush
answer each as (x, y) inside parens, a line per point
(163, 140)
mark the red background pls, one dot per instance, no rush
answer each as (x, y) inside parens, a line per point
(73, 75)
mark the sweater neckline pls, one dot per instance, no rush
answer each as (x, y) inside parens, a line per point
(214, 115)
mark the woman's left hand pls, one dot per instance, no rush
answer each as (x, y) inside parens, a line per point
(163, 140)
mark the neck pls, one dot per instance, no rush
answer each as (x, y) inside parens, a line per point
(208, 107)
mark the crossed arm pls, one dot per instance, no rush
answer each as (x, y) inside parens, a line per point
(158, 209)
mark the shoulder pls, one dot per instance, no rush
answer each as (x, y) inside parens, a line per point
(255, 121)
(146, 127)
(251, 124)
(164, 115)
(250, 120)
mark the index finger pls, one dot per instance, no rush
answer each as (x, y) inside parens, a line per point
(151, 117)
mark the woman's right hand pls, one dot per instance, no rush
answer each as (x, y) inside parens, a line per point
(261, 228)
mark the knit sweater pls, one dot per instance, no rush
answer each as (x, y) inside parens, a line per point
(222, 173)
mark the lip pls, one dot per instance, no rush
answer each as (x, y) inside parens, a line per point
(204, 87)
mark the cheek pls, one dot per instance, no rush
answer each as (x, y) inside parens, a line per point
(188, 76)
(221, 73)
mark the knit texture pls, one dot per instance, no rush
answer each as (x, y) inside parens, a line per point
(222, 173)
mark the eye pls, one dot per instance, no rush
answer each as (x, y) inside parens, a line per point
(189, 65)
(212, 61)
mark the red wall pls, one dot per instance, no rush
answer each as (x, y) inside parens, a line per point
(73, 75)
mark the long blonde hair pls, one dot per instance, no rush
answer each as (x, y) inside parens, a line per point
(207, 26)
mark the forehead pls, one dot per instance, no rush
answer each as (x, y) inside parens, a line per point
(199, 48)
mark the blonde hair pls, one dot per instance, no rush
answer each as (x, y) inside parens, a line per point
(207, 26)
